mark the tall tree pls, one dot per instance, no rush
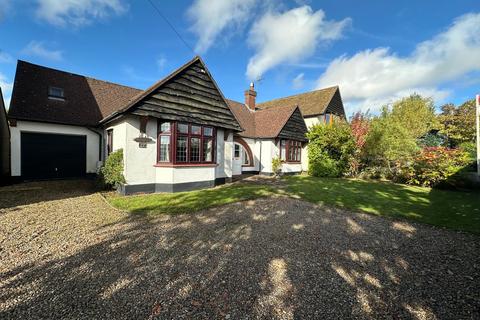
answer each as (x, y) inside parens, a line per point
(458, 123)
(415, 113)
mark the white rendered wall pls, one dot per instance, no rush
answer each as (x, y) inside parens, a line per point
(305, 158)
(42, 127)
(313, 120)
(267, 154)
(140, 162)
(119, 135)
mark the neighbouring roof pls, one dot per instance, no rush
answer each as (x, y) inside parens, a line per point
(310, 103)
(87, 100)
(266, 123)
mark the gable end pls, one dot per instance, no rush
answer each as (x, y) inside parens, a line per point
(295, 128)
(188, 95)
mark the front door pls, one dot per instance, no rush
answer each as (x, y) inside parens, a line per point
(237, 159)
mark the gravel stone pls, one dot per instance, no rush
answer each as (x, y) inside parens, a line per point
(66, 254)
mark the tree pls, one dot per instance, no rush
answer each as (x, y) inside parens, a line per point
(415, 113)
(330, 149)
(388, 140)
(458, 123)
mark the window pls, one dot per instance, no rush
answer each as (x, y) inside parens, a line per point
(246, 160)
(290, 150)
(164, 142)
(55, 92)
(207, 131)
(283, 149)
(182, 149)
(109, 141)
(236, 154)
(329, 118)
(194, 149)
(196, 130)
(164, 149)
(192, 144)
(207, 150)
(182, 128)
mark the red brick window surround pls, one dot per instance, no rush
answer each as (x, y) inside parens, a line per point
(181, 143)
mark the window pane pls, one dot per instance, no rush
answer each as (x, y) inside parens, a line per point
(181, 149)
(245, 158)
(55, 92)
(207, 150)
(327, 118)
(195, 149)
(165, 127)
(164, 151)
(207, 131)
(109, 141)
(197, 130)
(283, 149)
(182, 128)
(237, 151)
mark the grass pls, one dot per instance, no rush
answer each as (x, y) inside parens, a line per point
(451, 209)
(191, 201)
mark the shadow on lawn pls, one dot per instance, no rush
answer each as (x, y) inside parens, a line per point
(255, 259)
(452, 209)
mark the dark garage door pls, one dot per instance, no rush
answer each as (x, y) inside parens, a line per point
(46, 156)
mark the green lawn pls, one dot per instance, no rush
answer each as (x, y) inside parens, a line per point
(187, 202)
(451, 209)
(456, 210)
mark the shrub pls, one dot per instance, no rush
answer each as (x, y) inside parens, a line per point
(434, 166)
(330, 149)
(276, 166)
(111, 172)
(470, 148)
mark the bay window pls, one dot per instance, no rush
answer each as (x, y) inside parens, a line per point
(290, 150)
(185, 143)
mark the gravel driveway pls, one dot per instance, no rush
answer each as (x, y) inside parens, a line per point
(66, 254)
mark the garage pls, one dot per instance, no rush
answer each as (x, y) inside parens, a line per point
(52, 156)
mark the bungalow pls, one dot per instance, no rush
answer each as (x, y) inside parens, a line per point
(179, 134)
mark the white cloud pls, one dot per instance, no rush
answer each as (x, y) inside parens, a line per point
(211, 17)
(289, 37)
(7, 87)
(78, 12)
(161, 62)
(371, 78)
(5, 57)
(38, 49)
(299, 81)
(4, 8)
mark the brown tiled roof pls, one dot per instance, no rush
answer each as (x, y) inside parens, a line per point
(261, 123)
(87, 100)
(310, 103)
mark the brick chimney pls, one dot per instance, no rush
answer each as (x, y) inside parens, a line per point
(250, 96)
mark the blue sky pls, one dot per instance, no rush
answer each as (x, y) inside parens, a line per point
(376, 51)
